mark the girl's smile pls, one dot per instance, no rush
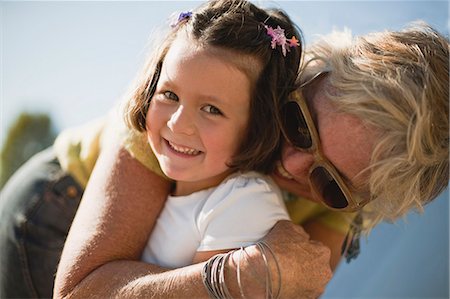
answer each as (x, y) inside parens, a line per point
(182, 151)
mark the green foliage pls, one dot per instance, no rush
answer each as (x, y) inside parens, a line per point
(29, 134)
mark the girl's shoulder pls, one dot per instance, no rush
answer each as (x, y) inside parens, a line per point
(252, 180)
(244, 207)
(244, 189)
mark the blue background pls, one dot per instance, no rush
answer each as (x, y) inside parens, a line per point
(408, 259)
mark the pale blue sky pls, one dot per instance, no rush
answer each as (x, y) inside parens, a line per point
(75, 59)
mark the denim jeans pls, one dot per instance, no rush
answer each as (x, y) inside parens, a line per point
(37, 207)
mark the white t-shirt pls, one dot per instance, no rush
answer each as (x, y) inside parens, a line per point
(238, 212)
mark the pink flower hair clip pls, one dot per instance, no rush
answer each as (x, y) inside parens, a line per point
(182, 16)
(279, 38)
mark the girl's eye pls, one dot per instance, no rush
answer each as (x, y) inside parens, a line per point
(212, 110)
(170, 96)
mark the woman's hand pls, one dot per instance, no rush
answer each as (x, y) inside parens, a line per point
(304, 263)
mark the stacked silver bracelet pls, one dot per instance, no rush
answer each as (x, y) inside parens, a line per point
(269, 289)
(213, 273)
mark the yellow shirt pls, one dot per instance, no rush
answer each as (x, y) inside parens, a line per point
(77, 150)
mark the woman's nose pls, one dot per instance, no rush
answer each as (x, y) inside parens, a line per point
(297, 162)
(182, 121)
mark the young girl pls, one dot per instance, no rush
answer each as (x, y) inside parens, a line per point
(208, 109)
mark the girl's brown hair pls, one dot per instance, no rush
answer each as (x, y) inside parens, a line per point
(236, 27)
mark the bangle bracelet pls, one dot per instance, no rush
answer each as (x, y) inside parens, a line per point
(263, 243)
(213, 273)
(238, 273)
(213, 276)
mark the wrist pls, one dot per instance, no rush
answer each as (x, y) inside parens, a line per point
(252, 273)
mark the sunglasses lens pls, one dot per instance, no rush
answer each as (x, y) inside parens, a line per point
(295, 126)
(328, 188)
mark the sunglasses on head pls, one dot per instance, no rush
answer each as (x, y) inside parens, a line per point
(326, 182)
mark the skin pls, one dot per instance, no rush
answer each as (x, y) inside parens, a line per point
(198, 116)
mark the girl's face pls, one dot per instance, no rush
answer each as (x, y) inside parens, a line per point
(197, 116)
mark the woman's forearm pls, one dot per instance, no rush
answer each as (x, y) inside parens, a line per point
(133, 279)
(116, 215)
(304, 273)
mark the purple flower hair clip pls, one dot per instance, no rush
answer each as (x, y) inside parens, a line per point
(279, 39)
(186, 15)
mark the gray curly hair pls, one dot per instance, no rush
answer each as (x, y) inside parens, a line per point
(398, 82)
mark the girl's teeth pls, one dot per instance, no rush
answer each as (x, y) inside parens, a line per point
(283, 171)
(184, 150)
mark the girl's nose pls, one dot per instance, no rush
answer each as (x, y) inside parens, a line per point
(182, 121)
